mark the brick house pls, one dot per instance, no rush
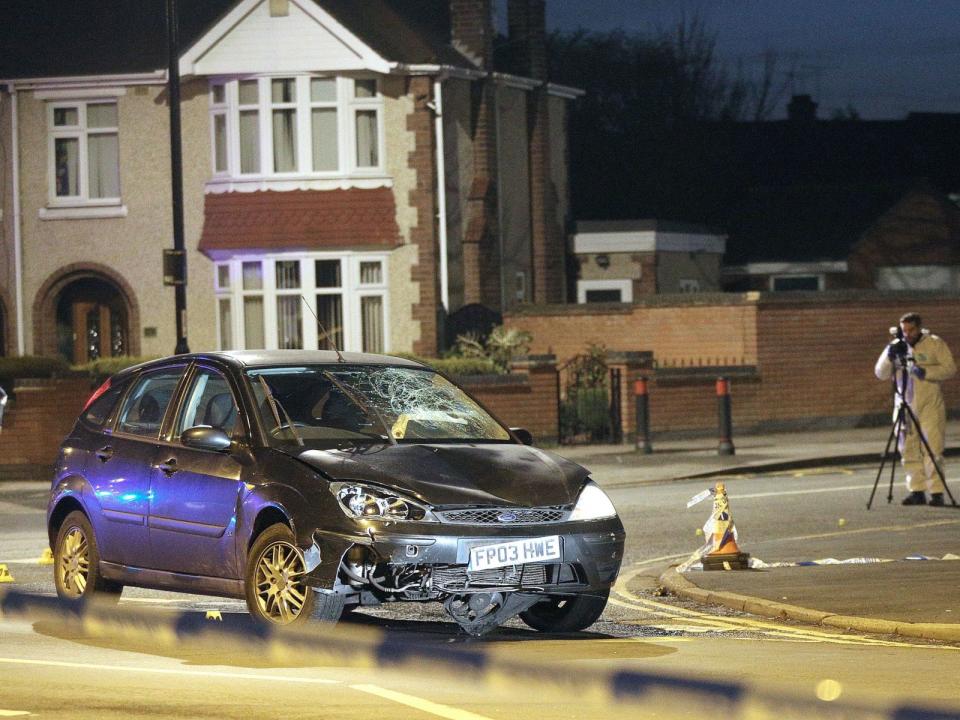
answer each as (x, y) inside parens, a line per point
(362, 157)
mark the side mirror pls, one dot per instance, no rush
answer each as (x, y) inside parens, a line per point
(523, 435)
(204, 437)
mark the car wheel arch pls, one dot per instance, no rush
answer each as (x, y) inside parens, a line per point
(267, 516)
(65, 505)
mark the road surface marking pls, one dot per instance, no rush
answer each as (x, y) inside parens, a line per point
(426, 706)
(13, 713)
(169, 671)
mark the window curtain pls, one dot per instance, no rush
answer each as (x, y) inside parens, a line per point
(249, 141)
(67, 152)
(226, 324)
(330, 313)
(371, 314)
(284, 140)
(253, 335)
(324, 127)
(367, 138)
(103, 166)
(289, 322)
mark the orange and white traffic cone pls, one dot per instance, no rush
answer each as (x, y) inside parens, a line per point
(725, 553)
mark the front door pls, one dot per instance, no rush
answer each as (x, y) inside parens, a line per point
(195, 494)
(92, 323)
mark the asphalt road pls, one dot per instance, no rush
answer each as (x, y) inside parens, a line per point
(52, 668)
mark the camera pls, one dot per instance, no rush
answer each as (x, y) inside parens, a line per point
(898, 346)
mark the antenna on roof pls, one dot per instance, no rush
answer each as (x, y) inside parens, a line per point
(323, 330)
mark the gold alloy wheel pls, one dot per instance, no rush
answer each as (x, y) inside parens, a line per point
(73, 565)
(281, 593)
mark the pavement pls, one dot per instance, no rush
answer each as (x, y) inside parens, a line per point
(866, 598)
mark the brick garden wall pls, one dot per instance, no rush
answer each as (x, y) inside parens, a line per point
(38, 419)
(795, 360)
(527, 398)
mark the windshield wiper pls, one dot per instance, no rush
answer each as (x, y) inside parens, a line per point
(274, 404)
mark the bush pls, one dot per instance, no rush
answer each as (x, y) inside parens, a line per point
(455, 366)
(102, 367)
(29, 366)
(500, 347)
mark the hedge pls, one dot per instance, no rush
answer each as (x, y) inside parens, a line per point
(456, 366)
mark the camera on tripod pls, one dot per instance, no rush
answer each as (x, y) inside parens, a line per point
(898, 348)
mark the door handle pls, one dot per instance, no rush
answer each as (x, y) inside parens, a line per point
(104, 453)
(169, 467)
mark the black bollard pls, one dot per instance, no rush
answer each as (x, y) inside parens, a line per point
(726, 424)
(643, 416)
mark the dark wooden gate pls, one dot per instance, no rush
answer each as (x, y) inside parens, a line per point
(589, 402)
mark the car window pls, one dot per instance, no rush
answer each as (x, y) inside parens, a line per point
(99, 410)
(145, 405)
(209, 402)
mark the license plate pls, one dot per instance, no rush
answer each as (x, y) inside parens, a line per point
(516, 552)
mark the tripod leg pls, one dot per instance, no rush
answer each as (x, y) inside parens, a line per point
(930, 453)
(898, 431)
(883, 460)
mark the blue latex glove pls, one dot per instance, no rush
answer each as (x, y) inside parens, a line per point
(918, 371)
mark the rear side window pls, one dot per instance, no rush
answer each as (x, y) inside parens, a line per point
(145, 405)
(100, 409)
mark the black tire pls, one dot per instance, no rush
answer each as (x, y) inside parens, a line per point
(76, 563)
(566, 613)
(273, 583)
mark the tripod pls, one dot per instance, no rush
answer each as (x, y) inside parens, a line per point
(899, 425)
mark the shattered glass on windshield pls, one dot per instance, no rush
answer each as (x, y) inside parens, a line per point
(347, 402)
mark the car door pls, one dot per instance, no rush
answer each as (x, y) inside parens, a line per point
(121, 468)
(195, 493)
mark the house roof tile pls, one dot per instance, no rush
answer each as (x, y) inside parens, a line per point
(299, 220)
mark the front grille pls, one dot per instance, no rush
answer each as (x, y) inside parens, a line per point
(456, 577)
(504, 516)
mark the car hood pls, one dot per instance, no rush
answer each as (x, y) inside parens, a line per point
(462, 474)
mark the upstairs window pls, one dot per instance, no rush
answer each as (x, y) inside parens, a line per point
(313, 126)
(84, 153)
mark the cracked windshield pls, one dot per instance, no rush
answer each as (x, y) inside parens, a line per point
(319, 404)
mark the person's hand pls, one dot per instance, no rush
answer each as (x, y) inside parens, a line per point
(918, 371)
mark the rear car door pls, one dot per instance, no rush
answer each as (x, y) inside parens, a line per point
(121, 467)
(195, 493)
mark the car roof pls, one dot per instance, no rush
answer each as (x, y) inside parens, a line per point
(241, 359)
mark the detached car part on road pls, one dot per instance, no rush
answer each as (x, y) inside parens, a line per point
(311, 483)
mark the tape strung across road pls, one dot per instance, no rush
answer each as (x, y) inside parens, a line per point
(353, 646)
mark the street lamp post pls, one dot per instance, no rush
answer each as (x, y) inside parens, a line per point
(179, 276)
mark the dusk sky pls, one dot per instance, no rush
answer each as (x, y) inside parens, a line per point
(884, 58)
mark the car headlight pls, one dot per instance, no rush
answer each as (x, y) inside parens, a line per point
(593, 504)
(368, 502)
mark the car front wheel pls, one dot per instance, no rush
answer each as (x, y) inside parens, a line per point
(565, 613)
(274, 582)
(76, 563)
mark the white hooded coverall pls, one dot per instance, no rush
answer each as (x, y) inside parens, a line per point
(926, 400)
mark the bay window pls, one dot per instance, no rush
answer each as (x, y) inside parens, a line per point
(300, 126)
(84, 153)
(303, 301)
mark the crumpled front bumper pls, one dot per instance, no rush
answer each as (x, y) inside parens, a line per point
(594, 548)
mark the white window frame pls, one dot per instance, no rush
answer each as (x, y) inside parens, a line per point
(351, 291)
(81, 133)
(624, 286)
(819, 277)
(219, 109)
(346, 104)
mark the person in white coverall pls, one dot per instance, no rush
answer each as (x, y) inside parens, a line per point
(929, 362)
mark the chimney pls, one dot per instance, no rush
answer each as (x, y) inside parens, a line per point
(471, 30)
(802, 109)
(526, 20)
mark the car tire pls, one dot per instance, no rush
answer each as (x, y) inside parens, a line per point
(273, 582)
(566, 613)
(76, 563)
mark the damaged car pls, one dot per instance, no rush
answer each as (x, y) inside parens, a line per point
(314, 483)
